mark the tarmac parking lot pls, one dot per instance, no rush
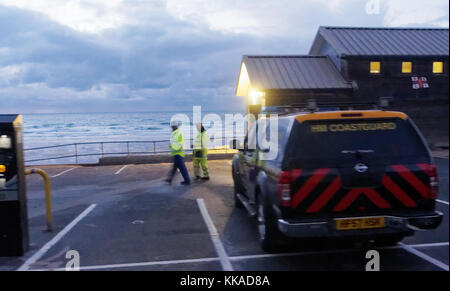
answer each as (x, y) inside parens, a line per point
(128, 218)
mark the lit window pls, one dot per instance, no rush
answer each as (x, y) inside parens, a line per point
(407, 67)
(375, 67)
(438, 67)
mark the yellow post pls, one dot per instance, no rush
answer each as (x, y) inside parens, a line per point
(48, 202)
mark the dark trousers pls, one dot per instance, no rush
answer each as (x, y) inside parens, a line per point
(178, 164)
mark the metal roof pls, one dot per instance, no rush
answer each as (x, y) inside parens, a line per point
(359, 41)
(293, 72)
(8, 118)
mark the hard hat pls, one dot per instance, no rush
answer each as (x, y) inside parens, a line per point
(175, 123)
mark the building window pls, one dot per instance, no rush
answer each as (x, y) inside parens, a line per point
(438, 67)
(406, 67)
(375, 67)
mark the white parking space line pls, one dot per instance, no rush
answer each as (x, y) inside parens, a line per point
(442, 201)
(132, 265)
(441, 157)
(220, 249)
(263, 256)
(63, 172)
(233, 258)
(442, 244)
(330, 252)
(33, 259)
(425, 257)
(120, 170)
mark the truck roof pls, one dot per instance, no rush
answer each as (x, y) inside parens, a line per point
(346, 114)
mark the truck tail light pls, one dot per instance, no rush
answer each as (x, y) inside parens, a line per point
(432, 172)
(284, 186)
(434, 182)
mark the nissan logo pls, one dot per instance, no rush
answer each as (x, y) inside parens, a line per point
(361, 168)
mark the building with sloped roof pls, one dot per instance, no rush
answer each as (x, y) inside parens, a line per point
(357, 64)
(403, 63)
(290, 79)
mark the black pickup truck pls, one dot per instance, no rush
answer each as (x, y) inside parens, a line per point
(365, 175)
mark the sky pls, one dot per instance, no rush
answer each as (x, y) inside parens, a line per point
(164, 55)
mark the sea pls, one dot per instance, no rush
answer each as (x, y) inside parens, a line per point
(103, 134)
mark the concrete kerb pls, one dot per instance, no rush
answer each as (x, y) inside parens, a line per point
(155, 159)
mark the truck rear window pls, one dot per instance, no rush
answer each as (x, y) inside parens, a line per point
(335, 143)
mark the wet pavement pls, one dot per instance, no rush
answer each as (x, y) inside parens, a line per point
(128, 218)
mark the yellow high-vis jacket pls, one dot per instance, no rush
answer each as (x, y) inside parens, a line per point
(177, 143)
(201, 142)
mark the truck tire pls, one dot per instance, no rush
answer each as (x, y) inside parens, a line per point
(237, 189)
(237, 201)
(271, 239)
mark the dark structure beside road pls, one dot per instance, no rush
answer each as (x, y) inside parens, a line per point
(409, 65)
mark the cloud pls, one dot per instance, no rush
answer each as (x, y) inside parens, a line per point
(10, 74)
(115, 98)
(416, 12)
(156, 64)
(282, 17)
(145, 55)
(86, 16)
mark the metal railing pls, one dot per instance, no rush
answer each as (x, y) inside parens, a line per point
(75, 152)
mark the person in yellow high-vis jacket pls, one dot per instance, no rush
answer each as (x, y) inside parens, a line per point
(200, 154)
(177, 151)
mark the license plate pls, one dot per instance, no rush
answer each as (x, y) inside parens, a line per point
(360, 223)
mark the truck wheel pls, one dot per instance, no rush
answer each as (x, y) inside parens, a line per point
(271, 239)
(237, 189)
(237, 201)
(387, 241)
